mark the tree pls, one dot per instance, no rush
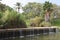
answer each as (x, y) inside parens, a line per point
(12, 19)
(18, 6)
(32, 9)
(2, 7)
(3, 13)
(56, 12)
(48, 9)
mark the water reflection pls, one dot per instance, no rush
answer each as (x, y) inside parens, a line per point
(55, 36)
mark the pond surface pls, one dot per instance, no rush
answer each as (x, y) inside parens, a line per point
(53, 36)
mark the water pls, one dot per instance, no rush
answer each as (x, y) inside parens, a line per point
(52, 36)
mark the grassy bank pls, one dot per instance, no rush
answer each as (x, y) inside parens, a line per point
(56, 22)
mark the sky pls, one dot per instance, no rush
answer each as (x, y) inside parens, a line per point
(12, 3)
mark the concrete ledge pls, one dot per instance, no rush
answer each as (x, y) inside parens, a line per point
(16, 32)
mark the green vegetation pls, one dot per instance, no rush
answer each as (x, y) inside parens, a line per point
(11, 19)
(56, 22)
(34, 15)
(45, 24)
(33, 10)
(36, 21)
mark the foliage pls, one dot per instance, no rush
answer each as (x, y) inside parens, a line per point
(36, 21)
(11, 19)
(45, 24)
(47, 6)
(28, 22)
(32, 9)
(33, 15)
(18, 6)
(2, 7)
(1, 14)
(56, 22)
(14, 21)
(48, 10)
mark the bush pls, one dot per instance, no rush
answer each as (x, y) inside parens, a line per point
(36, 21)
(12, 19)
(45, 24)
(16, 22)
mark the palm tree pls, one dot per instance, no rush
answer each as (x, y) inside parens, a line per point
(48, 9)
(18, 6)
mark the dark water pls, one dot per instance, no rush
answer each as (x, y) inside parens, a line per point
(52, 36)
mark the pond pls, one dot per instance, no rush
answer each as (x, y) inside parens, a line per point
(52, 36)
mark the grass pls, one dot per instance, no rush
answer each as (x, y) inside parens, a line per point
(56, 22)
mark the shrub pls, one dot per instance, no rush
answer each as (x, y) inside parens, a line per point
(12, 19)
(36, 21)
(45, 24)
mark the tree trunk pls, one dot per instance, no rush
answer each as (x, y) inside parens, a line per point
(47, 17)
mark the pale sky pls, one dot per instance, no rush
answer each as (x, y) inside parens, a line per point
(23, 2)
(12, 3)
